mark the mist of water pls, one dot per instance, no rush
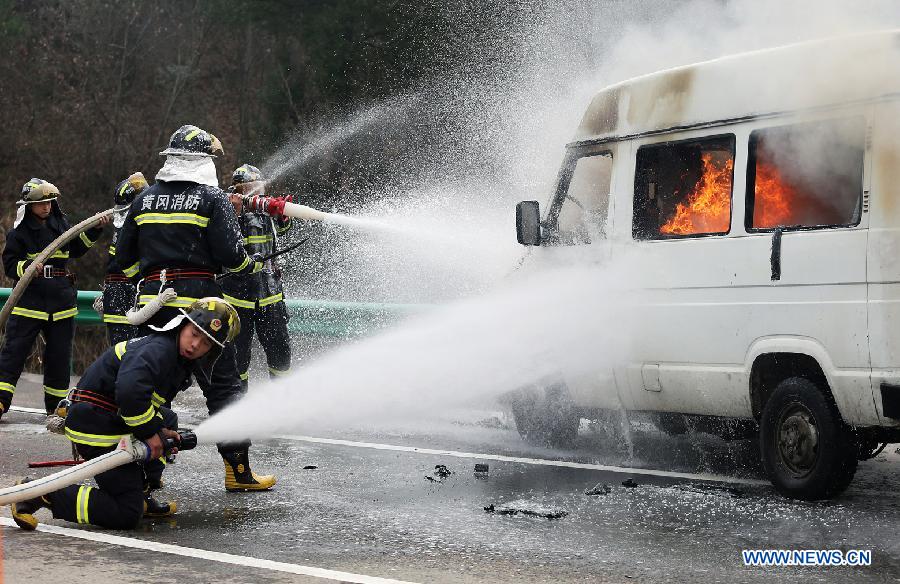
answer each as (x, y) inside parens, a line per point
(570, 321)
(303, 147)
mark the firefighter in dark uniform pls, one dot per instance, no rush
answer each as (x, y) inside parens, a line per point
(48, 304)
(124, 392)
(259, 298)
(179, 234)
(119, 289)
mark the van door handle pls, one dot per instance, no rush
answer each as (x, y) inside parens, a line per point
(775, 258)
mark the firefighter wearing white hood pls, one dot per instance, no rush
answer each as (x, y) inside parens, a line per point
(48, 304)
(179, 233)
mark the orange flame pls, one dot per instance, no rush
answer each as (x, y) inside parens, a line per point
(707, 209)
(772, 197)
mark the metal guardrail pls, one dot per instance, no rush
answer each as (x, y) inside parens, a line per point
(324, 318)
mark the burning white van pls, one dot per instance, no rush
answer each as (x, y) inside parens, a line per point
(763, 191)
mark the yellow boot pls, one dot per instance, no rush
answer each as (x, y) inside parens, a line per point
(23, 511)
(239, 477)
(154, 508)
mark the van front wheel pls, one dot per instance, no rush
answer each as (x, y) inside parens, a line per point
(546, 416)
(807, 450)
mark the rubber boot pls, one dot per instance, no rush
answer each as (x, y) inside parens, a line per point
(23, 511)
(239, 477)
(153, 508)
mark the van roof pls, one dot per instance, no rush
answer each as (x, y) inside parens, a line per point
(808, 75)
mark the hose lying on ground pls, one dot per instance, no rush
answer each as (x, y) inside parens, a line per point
(129, 450)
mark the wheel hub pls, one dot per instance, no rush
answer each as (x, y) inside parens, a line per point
(798, 440)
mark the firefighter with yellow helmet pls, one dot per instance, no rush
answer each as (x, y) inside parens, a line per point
(126, 391)
(48, 305)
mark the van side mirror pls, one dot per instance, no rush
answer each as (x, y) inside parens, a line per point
(528, 223)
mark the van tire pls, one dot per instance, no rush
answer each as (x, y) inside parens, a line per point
(807, 450)
(546, 417)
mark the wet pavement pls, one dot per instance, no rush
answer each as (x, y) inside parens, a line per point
(373, 506)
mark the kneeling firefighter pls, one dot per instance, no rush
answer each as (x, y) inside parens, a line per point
(179, 233)
(123, 392)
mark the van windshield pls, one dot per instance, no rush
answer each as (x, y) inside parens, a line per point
(581, 214)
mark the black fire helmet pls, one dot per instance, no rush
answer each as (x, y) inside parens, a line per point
(245, 173)
(129, 188)
(190, 140)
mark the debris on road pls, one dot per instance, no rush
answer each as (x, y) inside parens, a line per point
(440, 473)
(630, 483)
(310, 467)
(599, 489)
(529, 508)
(481, 470)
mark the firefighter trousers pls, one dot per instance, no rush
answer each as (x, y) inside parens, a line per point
(117, 502)
(270, 324)
(21, 331)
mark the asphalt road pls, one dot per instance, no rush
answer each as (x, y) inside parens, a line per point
(375, 507)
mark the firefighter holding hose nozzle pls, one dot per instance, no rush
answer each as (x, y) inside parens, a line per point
(179, 233)
(48, 305)
(259, 297)
(125, 391)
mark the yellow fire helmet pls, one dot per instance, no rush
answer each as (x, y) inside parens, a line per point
(38, 190)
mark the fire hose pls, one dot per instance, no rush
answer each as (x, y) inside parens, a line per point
(266, 258)
(42, 257)
(129, 450)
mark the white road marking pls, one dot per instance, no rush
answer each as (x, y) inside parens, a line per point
(534, 461)
(28, 410)
(167, 548)
(504, 458)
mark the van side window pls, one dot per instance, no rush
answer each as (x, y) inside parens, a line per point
(683, 189)
(806, 175)
(583, 212)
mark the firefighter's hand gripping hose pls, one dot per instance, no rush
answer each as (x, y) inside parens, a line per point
(129, 450)
(137, 316)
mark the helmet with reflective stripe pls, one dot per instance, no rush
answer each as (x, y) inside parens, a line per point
(38, 191)
(192, 141)
(245, 173)
(216, 318)
(129, 188)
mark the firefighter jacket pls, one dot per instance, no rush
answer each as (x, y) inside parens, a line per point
(50, 298)
(181, 225)
(260, 235)
(125, 387)
(118, 289)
